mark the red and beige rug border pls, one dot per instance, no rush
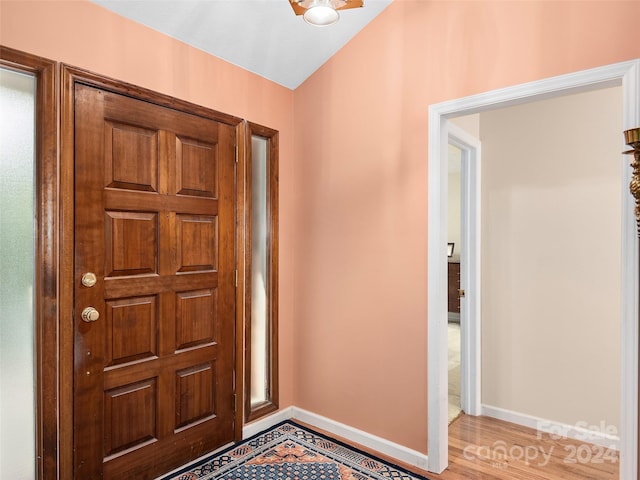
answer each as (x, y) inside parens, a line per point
(289, 449)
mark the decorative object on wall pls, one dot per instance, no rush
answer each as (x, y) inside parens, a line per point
(632, 138)
(321, 13)
(450, 249)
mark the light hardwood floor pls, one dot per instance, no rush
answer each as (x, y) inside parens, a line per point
(489, 449)
(477, 444)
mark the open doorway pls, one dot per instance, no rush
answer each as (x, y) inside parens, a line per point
(463, 269)
(622, 74)
(463, 272)
(454, 288)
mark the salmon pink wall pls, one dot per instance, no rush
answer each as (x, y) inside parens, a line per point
(85, 35)
(361, 191)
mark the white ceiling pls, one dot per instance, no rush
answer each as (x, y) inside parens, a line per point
(262, 36)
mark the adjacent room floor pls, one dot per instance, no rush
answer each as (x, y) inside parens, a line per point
(490, 449)
(454, 370)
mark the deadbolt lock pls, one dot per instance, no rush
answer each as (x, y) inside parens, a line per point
(461, 293)
(90, 314)
(89, 279)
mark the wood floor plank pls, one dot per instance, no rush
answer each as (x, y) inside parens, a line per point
(485, 448)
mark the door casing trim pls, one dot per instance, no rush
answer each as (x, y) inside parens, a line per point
(626, 74)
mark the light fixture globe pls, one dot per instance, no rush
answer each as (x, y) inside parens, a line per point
(321, 13)
(321, 16)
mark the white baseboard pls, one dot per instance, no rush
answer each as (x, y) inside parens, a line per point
(378, 444)
(266, 422)
(386, 447)
(561, 430)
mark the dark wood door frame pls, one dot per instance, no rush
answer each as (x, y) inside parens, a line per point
(70, 76)
(47, 272)
(272, 138)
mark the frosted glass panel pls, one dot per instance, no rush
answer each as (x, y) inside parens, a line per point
(259, 277)
(17, 264)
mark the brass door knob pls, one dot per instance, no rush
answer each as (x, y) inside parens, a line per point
(90, 314)
(89, 279)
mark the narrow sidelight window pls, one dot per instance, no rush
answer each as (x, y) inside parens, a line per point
(261, 265)
(17, 275)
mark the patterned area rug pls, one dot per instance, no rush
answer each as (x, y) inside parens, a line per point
(289, 451)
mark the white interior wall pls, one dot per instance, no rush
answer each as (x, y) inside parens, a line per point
(551, 249)
(469, 123)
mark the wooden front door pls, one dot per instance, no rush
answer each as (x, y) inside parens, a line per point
(155, 223)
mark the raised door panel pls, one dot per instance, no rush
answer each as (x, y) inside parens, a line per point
(132, 329)
(130, 416)
(197, 243)
(131, 243)
(130, 157)
(196, 168)
(195, 318)
(195, 388)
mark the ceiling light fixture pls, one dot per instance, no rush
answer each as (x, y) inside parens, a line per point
(321, 13)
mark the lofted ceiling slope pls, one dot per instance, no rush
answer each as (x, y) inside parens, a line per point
(262, 36)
